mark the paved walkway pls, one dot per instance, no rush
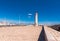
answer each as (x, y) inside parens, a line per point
(20, 33)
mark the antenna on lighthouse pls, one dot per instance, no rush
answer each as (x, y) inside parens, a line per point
(19, 20)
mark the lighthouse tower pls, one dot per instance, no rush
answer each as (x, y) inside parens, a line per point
(36, 19)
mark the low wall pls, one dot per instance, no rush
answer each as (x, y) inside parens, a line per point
(51, 34)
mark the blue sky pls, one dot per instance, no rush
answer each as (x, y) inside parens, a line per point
(48, 10)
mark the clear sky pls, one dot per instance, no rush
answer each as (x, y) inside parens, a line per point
(24, 10)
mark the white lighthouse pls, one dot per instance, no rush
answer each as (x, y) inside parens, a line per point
(36, 19)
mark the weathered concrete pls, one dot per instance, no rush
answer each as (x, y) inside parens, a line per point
(52, 35)
(28, 33)
(20, 33)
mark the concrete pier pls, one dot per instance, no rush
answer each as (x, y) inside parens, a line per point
(28, 33)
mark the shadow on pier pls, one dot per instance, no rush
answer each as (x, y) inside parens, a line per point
(42, 36)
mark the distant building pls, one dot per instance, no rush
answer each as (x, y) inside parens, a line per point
(6, 23)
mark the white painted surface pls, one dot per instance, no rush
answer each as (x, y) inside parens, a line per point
(36, 19)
